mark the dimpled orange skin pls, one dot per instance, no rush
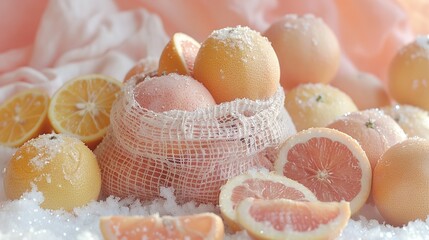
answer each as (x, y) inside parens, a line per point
(67, 173)
(237, 63)
(408, 81)
(307, 49)
(401, 182)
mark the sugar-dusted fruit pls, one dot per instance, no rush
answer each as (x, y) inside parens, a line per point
(288, 219)
(198, 226)
(366, 90)
(237, 62)
(328, 162)
(172, 92)
(81, 107)
(179, 55)
(316, 105)
(400, 186)
(259, 186)
(408, 81)
(61, 167)
(307, 49)
(375, 131)
(146, 66)
(23, 116)
(413, 120)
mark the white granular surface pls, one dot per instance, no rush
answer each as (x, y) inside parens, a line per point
(24, 219)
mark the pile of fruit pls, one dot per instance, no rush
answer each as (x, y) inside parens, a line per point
(350, 148)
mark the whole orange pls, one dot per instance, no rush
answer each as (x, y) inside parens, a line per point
(237, 62)
(408, 81)
(307, 49)
(63, 168)
(400, 186)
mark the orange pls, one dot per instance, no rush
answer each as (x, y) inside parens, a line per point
(366, 90)
(61, 167)
(237, 62)
(172, 92)
(413, 120)
(197, 226)
(375, 131)
(146, 66)
(329, 163)
(24, 116)
(400, 186)
(81, 107)
(408, 81)
(288, 219)
(179, 55)
(307, 49)
(316, 105)
(260, 186)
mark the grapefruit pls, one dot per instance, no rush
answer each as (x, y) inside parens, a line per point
(259, 186)
(288, 219)
(328, 162)
(237, 62)
(198, 226)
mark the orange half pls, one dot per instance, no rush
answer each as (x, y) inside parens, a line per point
(23, 117)
(179, 55)
(81, 107)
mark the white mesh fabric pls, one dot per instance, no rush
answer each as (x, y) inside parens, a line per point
(194, 152)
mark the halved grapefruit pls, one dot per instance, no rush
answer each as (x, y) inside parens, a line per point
(328, 162)
(289, 219)
(259, 186)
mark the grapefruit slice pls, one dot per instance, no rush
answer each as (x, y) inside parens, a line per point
(24, 116)
(328, 162)
(197, 226)
(81, 107)
(289, 219)
(259, 186)
(179, 55)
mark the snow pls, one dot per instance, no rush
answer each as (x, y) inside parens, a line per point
(24, 219)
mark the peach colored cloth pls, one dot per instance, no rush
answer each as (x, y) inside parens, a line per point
(44, 43)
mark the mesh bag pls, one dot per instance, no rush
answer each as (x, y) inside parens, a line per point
(193, 152)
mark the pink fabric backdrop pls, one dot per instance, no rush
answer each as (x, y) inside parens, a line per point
(46, 42)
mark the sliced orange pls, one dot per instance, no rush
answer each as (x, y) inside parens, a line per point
(260, 186)
(197, 226)
(23, 117)
(289, 219)
(179, 55)
(330, 163)
(81, 107)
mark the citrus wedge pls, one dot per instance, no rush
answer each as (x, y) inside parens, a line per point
(179, 55)
(197, 226)
(328, 162)
(81, 107)
(259, 186)
(289, 219)
(23, 117)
